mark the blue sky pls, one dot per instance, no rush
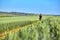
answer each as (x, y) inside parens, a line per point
(31, 6)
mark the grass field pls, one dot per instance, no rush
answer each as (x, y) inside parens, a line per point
(17, 19)
(33, 29)
(8, 23)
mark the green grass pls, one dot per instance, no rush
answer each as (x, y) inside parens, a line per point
(46, 29)
(9, 23)
(17, 19)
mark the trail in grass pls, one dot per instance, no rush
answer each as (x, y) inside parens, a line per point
(2, 35)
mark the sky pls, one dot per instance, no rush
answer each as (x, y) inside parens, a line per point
(31, 6)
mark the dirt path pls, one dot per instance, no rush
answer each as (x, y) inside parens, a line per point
(2, 35)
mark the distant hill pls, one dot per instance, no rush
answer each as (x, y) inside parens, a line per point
(16, 14)
(21, 14)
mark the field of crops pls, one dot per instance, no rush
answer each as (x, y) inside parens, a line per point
(33, 29)
(9, 23)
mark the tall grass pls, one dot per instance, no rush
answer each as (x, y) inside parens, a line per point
(10, 26)
(48, 29)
